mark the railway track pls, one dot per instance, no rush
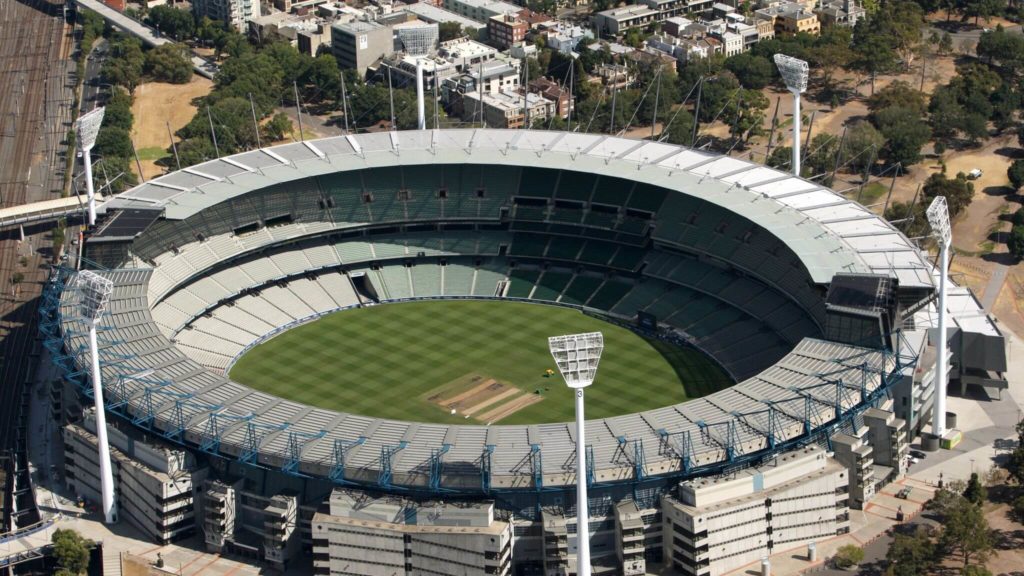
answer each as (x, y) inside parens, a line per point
(34, 49)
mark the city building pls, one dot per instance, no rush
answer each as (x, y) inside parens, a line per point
(716, 525)
(480, 10)
(152, 484)
(234, 12)
(416, 37)
(840, 12)
(307, 32)
(552, 91)
(437, 15)
(359, 534)
(359, 45)
(616, 21)
(790, 18)
(506, 108)
(853, 452)
(565, 37)
(505, 30)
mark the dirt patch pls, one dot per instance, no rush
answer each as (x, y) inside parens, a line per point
(977, 230)
(470, 394)
(508, 408)
(158, 104)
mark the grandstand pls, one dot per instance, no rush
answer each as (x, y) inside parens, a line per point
(731, 257)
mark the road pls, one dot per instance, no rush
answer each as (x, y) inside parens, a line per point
(35, 66)
(149, 36)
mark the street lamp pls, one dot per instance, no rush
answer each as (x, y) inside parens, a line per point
(577, 356)
(88, 126)
(95, 293)
(938, 217)
(794, 74)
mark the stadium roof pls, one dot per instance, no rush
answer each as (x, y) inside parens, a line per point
(829, 233)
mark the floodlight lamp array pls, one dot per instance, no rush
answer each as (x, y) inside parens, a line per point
(794, 72)
(577, 357)
(88, 127)
(95, 291)
(938, 217)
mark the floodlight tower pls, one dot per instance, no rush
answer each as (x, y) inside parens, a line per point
(577, 356)
(88, 126)
(938, 217)
(794, 74)
(95, 291)
(421, 118)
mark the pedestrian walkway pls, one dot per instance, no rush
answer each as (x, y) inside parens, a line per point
(994, 287)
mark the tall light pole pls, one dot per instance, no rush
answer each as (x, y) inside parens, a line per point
(794, 74)
(938, 217)
(95, 291)
(577, 356)
(88, 126)
(421, 115)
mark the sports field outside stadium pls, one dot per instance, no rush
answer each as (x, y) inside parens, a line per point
(468, 362)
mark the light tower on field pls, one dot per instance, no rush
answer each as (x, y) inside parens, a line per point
(794, 73)
(577, 356)
(95, 291)
(88, 126)
(938, 217)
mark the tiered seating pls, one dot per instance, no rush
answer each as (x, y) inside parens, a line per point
(458, 280)
(522, 282)
(311, 294)
(609, 294)
(287, 302)
(529, 245)
(581, 289)
(564, 248)
(551, 284)
(396, 278)
(339, 288)
(487, 278)
(426, 279)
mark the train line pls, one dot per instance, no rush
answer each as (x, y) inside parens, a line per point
(35, 92)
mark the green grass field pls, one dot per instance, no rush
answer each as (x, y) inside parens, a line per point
(383, 361)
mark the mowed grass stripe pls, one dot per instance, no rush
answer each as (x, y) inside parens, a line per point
(380, 361)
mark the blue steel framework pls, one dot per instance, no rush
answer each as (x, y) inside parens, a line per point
(764, 422)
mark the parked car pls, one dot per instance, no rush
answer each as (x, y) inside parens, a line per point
(974, 174)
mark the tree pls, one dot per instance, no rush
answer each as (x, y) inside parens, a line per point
(781, 157)
(323, 79)
(901, 94)
(277, 127)
(1018, 508)
(848, 556)
(863, 144)
(125, 64)
(1016, 174)
(958, 191)
(831, 53)
(118, 112)
(820, 157)
(178, 24)
(753, 72)
(966, 532)
(975, 571)
(449, 31)
(946, 43)
(1015, 244)
(169, 63)
(679, 130)
(113, 141)
(71, 551)
(975, 493)
(910, 555)
(905, 135)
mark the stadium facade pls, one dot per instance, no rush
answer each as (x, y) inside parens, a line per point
(818, 309)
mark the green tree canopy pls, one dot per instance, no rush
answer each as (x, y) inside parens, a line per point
(911, 554)
(905, 135)
(449, 31)
(862, 145)
(1016, 174)
(752, 71)
(958, 191)
(898, 93)
(170, 21)
(71, 551)
(966, 532)
(975, 493)
(169, 63)
(125, 65)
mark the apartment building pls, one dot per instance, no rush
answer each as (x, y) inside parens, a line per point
(504, 30)
(237, 13)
